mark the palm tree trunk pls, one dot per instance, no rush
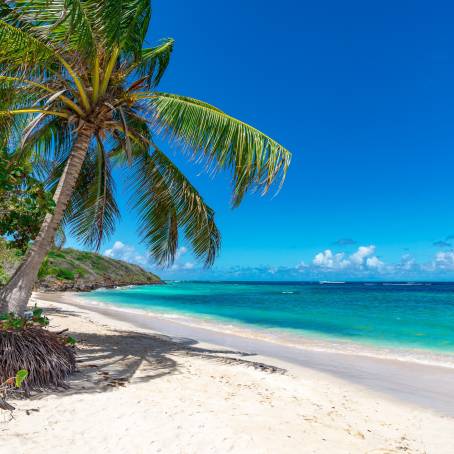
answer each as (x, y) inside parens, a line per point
(15, 295)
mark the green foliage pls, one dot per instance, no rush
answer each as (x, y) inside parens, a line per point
(257, 160)
(3, 277)
(9, 322)
(5, 387)
(166, 199)
(9, 260)
(20, 377)
(38, 317)
(70, 265)
(63, 273)
(70, 340)
(44, 269)
(80, 272)
(56, 254)
(12, 322)
(23, 201)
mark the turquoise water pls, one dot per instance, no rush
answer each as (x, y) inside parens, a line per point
(402, 315)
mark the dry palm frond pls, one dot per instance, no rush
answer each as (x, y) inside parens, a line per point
(45, 355)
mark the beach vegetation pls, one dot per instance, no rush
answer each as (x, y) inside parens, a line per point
(14, 382)
(24, 201)
(10, 258)
(63, 273)
(66, 268)
(27, 344)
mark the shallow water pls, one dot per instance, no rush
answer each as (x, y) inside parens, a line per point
(406, 316)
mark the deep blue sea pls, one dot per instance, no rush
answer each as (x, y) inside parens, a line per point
(404, 315)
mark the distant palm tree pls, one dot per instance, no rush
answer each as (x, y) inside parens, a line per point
(78, 88)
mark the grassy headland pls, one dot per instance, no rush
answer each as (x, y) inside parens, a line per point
(70, 269)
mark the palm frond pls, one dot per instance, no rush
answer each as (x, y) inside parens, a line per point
(50, 143)
(166, 202)
(152, 65)
(21, 48)
(94, 209)
(123, 23)
(227, 143)
(21, 83)
(135, 25)
(92, 212)
(67, 23)
(73, 24)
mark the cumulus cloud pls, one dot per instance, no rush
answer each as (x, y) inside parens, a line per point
(374, 262)
(128, 253)
(444, 261)
(362, 255)
(327, 259)
(363, 258)
(122, 251)
(362, 263)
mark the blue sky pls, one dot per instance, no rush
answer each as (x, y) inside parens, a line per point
(362, 94)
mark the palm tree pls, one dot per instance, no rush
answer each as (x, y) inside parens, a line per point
(78, 88)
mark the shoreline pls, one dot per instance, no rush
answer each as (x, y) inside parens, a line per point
(320, 343)
(390, 377)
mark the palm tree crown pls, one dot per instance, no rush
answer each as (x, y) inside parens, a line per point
(77, 81)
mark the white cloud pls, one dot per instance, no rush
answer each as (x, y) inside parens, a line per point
(127, 253)
(407, 263)
(374, 262)
(363, 258)
(327, 259)
(118, 246)
(363, 263)
(362, 254)
(444, 261)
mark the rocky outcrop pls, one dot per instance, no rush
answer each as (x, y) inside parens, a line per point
(58, 285)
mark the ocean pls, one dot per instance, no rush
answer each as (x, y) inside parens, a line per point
(390, 315)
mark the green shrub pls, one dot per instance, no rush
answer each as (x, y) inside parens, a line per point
(44, 269)
(63, 273)
(3, 276)
(9, 260)
(80, 272)
(56, 255)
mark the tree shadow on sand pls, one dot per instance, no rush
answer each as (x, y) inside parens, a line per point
(116, 358)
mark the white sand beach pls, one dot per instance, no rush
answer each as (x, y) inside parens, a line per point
(139, 391)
